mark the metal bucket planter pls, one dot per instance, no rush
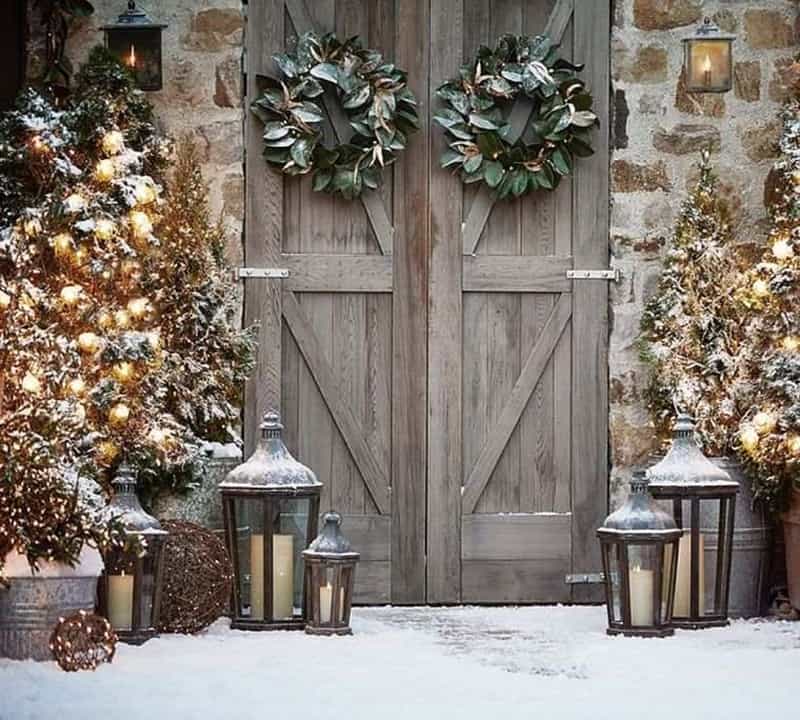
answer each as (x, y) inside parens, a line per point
(31, 607)
(791, 534)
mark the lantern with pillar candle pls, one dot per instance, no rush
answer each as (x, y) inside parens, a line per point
(708, 59)
(135, 40)
(639, 544)
(270, 506)
(130, 587)
(701, 493)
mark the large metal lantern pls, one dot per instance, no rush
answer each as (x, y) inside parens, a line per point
(270, 506)
(707, 494)
(135, 40)
(708, 59)
(330, 575)
(130, 587)
(639, 544)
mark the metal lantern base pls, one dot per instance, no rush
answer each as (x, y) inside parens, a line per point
(260, 625)
(136, 637)
(644, 632)
(712, 622)
(328, 631)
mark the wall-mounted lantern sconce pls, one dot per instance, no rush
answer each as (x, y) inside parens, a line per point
(135, 40)
(708, 59)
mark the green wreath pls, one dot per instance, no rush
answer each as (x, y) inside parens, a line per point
(380, 108)
(476, 121)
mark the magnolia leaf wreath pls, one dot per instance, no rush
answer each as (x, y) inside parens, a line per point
(381, 110)
(480, 138)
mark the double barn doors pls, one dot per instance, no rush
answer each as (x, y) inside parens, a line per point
(432, 361)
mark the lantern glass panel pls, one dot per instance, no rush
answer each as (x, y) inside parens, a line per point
(612, 565)
(644, 569)
(708, 65)
(138, 49)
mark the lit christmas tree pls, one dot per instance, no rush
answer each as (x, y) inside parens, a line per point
(770, 294)
(691, 328)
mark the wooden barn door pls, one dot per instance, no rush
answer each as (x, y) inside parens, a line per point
(432, 360)
(517, 474)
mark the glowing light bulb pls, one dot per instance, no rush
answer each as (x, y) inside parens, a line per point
(791, 343)
(123, 371)
(140, 224)
(62, 243)
(154, 338)
(782, 249)
(37, 144)
(796, 177)
(31, 384)
(104, 229)
(105, 320)
(80, 412)
(75, 203)
(76, 387)
(158, 436)
(32, 227)
(138, 307)
(119, 414)
(107, 450)
(122, 318)
(105, 170)
(88, 342)
(749, 438)
(764, 423)
(793, 443)
(113, 142)
(81, 256)
(70, 294)
(145, 193)
(5, 300)
(760, 288)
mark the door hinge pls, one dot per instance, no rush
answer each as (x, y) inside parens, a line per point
(248, 272)
(612, 274)
(585, 578)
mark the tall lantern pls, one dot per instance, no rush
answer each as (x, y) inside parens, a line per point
(270, 506)
(708, 59)
(639, 544)
(130, 587)
(705, 494)
(330, 576)
(135, 40)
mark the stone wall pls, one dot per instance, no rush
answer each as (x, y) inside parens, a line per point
(658, 131)
(202, 94)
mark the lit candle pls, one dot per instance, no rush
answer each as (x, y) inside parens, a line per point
(120, 601)
(682, 606)
(641, 594)
(131, 59)
(707, 71)
(282, 576)
(326, 603)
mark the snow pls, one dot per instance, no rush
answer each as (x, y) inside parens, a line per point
(551, 663)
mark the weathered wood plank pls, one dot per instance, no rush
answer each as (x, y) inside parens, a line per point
(515, 274)
(370, 535)
(348, 425)
(590, 323)
(410, 319)
(516, 537)
(444, 334)
(531, 372)
(336, 272)
(485, 199)
(517, 581)
(372, 583)
(303, 21)
(263, 210)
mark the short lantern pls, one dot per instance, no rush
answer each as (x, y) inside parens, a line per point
(330, 576)
(270, 505)
(694, 484)
(708, 59)
(639, 544)
(130, 587)
(135, 40)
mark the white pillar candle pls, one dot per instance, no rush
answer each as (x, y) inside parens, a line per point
(282, 577)
(120, 601)
(683, 583)
(257, 577)
(641, 594)
(326, 604)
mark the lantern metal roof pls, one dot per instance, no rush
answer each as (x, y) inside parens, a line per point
(685, 466)
(708, 30)
(331, 544)
(271, 468)
(133, 19)
(126, 508)
(639, 513)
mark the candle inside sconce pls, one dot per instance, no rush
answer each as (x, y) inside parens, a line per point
(132, 57)
(326, 603)
(707, 71)
(120, 601)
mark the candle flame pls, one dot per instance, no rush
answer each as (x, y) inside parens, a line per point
(132, 57)
(707, 64)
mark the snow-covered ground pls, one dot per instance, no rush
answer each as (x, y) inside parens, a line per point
(545, 663)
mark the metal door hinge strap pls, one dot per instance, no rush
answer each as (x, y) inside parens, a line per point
(248, 272)
(611, 274)
(585, 578)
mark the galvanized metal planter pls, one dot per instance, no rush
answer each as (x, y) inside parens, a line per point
(31, 607)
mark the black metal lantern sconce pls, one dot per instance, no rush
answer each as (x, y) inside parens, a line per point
(130, 587)
(330, 567)
(691, 481)
(639, 544)
(271, 508)
(708, 59)
(135, 40)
